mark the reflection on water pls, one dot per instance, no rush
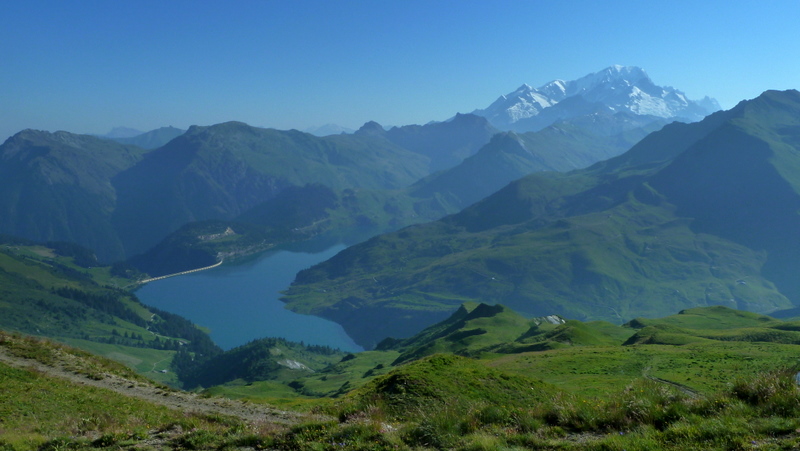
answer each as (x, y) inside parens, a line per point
(240, 302)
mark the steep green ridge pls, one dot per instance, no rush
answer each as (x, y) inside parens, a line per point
(486, 331)
(470, 328)
(57, 187)
(693, 215)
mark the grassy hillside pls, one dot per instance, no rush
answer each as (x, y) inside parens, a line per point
(56, 397)
(699, 349)
(571, 385)
(597, 390)
(612, 264)
(42, 412)
(698, 391)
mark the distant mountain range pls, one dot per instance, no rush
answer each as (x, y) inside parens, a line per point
(126, 192)
(616, 89)
(693, 215)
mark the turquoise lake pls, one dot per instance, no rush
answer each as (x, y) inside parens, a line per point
(240, 302)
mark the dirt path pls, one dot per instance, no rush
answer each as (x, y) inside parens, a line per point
(688, 391)
(179, 400)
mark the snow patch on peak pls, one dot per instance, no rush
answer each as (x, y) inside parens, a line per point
(612, 77)
(627, 72)
(556, 89)
(617, 88)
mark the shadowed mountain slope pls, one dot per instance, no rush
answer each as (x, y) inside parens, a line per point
(57, 186)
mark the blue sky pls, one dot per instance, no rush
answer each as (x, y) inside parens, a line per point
(88, 66)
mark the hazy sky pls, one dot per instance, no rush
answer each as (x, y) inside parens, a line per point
(88, 66)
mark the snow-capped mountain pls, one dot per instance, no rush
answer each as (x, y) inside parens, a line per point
(614, 89)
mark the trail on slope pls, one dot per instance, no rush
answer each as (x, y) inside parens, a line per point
(179, 400)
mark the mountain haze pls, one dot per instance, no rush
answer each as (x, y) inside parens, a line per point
(445, 143)
(563, 146)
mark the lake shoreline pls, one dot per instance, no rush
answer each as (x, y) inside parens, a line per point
(240, 301)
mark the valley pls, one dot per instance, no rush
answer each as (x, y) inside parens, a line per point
(592, 264)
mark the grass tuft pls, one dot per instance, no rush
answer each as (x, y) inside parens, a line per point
(775, 392)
